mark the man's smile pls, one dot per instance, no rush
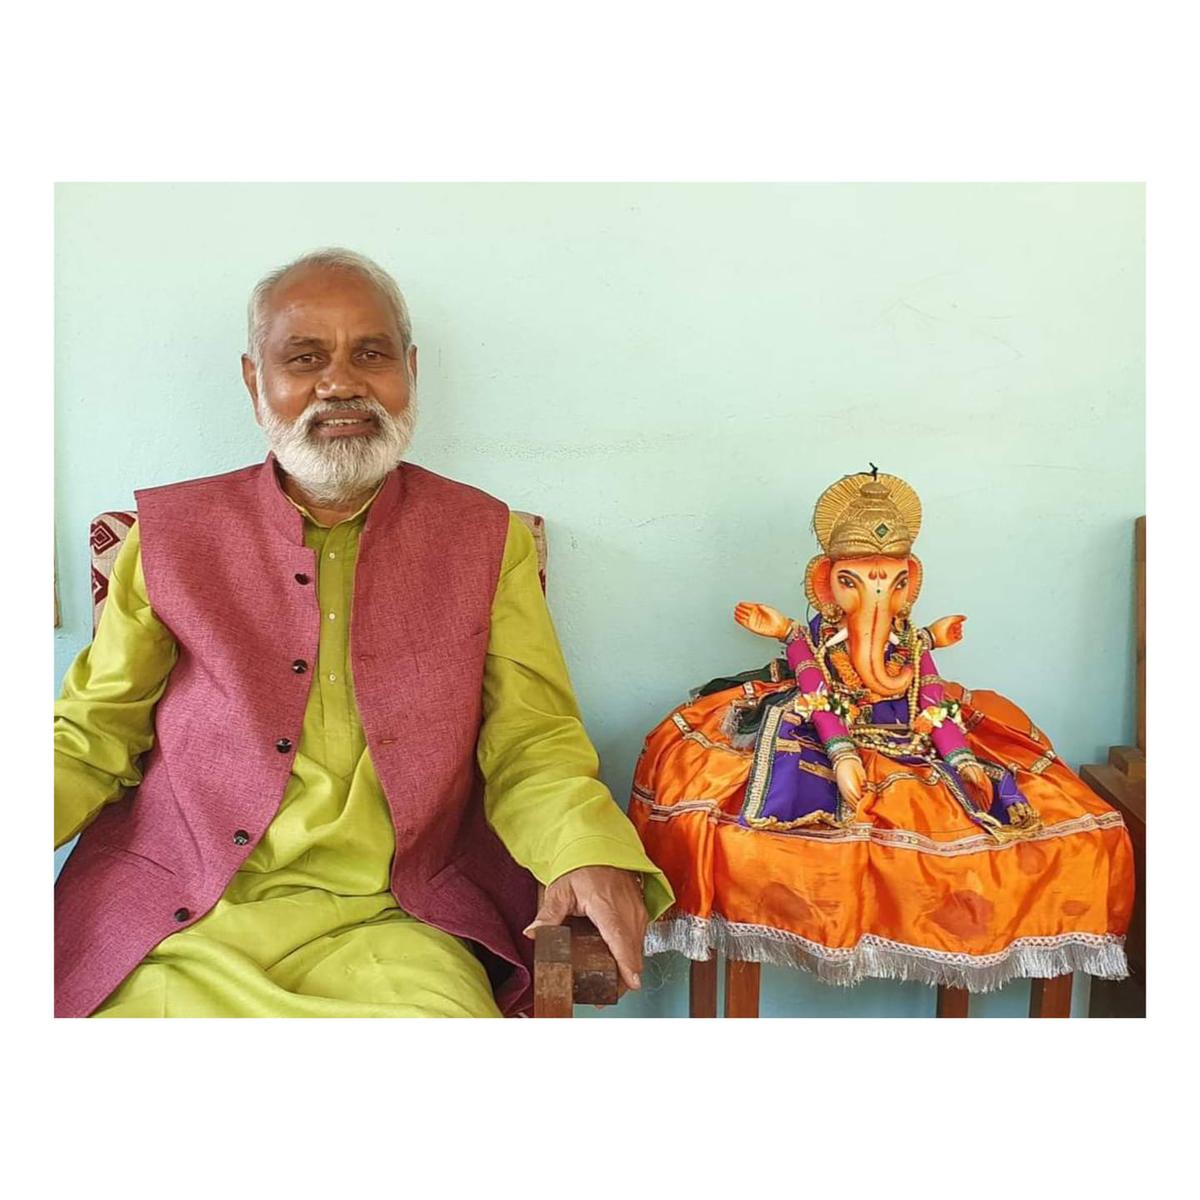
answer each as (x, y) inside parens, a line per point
(347, 425)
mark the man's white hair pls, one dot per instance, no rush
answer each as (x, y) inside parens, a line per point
(338, 259)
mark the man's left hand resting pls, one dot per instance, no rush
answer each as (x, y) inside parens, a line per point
(612, 900)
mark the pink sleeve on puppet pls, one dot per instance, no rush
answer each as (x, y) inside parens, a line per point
(947, 736)
(809, 679)
(829, 726)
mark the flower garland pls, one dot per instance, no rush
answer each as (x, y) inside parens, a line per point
(935, 715)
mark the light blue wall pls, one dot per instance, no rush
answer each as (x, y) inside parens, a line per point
(671, 373)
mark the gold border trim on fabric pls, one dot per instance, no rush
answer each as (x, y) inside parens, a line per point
(694, 735)
(905, 839)
(760, 766)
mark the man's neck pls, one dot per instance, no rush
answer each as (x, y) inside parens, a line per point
(325, 513)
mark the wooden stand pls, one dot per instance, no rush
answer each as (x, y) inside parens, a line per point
(742, 984)
(953, 1002)
(702, 993)
(1122, 783)
(1051, 997)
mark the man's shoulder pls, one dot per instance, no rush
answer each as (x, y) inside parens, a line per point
(226, 480)
(441, 489)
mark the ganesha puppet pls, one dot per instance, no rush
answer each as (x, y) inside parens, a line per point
(847, 811)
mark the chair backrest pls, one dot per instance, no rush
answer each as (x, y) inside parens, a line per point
(110, 529)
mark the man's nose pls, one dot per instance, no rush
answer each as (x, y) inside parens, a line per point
(339, 381)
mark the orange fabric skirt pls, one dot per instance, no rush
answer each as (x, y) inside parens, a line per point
(909, 887)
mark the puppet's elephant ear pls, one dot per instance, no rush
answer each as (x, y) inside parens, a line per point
(817, 577)
(916, 576)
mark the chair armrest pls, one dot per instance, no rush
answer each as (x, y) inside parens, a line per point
(572, 965)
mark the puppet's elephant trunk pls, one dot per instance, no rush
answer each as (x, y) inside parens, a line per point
(869, 630)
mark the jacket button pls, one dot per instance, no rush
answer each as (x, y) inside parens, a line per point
(240, 837)
(299, 666)
(301, 578)
(182, 914)
(283, 745)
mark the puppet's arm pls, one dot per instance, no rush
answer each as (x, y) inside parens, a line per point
(770, 622)
(814, 703)
(939, 717)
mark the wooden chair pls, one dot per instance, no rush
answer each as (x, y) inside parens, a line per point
(1122, 782)
(572, 964)
(1049, 997)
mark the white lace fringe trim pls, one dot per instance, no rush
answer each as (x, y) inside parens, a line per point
(1102, 955)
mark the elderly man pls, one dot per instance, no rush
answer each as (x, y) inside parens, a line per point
(324, 741)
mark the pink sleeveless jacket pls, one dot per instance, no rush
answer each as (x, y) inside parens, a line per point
(228, 573)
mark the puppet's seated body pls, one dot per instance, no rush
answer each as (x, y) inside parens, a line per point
(849, 812)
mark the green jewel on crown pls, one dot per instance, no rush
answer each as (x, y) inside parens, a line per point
(881, 530)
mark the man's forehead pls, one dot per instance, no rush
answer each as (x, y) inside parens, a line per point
(298, 340)
(313, 301)
(323, 293)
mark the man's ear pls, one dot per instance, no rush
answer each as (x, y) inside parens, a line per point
(412, 364)
(250, 379)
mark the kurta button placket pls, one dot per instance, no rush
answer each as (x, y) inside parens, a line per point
(283, 745)
(181, 915)
(299, 666)
(240, 837)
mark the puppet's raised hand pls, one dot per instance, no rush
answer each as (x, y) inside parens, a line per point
(762, 619)
(947, 631)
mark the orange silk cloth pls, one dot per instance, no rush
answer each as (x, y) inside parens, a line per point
(910, 887)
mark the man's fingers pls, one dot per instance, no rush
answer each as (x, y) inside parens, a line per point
(555, 909)
(624, 942)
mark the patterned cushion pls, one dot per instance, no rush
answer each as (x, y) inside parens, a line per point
(110, 528)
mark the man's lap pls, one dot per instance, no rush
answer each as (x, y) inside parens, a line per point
(387, 968)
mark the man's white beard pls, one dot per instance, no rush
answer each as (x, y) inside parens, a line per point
(338, 469)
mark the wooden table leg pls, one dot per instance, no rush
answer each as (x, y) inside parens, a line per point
(953, 1002)
(702, 988)
(1051, 997)
(741, 988)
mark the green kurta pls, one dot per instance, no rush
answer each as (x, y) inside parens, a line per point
(308, 927)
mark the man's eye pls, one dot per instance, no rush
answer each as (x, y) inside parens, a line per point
(372, 355)
(304, 359)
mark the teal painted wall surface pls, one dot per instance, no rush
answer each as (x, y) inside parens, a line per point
(671, 374)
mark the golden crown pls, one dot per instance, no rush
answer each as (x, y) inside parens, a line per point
(867, 514)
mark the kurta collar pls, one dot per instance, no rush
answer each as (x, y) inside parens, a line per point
(287, 518)
(362, 508)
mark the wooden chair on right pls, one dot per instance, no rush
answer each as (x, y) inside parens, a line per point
(1048, 998)
(1122, 783)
